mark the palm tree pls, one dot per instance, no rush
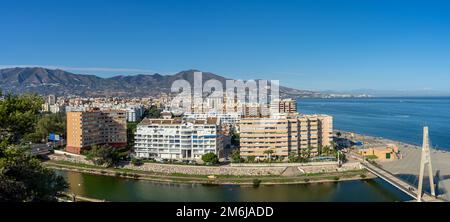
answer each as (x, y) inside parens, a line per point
(269, 153)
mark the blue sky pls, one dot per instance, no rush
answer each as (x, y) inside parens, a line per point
(319, 45)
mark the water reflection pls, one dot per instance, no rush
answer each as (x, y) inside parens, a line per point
(118, 189)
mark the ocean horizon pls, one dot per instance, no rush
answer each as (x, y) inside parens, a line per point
(395, 118)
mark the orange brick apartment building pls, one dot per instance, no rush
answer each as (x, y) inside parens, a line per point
(95, 127)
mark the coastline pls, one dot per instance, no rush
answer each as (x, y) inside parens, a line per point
(370, 140)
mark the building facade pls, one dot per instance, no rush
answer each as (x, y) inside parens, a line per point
(95, 127)
(177, 139)
(283, 106)
(285, 133)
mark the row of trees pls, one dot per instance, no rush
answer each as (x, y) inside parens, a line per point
(303, 156)
(22, 177)
(48, 123)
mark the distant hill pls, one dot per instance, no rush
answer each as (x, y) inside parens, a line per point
(59, 82)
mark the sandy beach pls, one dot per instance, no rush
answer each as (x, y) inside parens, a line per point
(408, 166)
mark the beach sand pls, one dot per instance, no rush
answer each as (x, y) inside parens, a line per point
(408, 167)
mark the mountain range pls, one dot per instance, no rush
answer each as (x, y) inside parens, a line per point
(61, 83)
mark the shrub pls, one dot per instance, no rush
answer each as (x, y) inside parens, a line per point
(256, 182)
(210, 158)
(251, 159)
(136, 162)
(336, 178)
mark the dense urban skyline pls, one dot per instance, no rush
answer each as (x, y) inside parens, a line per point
(320, 45)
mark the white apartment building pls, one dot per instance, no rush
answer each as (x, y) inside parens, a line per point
(134, 113)
(231, 118)
(177, 139)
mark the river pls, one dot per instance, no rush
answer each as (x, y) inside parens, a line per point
(125, 190)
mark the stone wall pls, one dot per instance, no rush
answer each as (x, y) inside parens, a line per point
(329, 168)
(209, 170)
(248, 170)
(70, 158)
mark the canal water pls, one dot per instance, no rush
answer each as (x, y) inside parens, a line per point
(125, 190)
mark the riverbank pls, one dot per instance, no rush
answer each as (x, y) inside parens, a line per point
(115, 189)
(212, 179)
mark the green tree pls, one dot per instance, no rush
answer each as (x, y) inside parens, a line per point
(210, 158)
(326, 150)
(236, 156)
(235, 139)
(269, 154)
(131, 131)
(18, 116)
(340, 156)
(24, 179)
(305, 154)
(136, 161)
(103, 155)
(293, 157)
(251, 159)
(153, 112)
(46, 124)
(338, 134)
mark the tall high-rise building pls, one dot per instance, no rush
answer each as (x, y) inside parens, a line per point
(51, 99)
(284, 133)
(95, 127)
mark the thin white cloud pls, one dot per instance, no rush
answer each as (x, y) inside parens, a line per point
(85, 69)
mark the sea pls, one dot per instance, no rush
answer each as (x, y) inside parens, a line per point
(400, 118)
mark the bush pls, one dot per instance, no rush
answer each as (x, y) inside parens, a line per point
(363, 176)
(236, 156)
(210, 158)
(136, 162)
(251, 159)
(336, 178)
(306, 180)
(256, 182)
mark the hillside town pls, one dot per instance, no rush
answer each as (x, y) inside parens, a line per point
(258, 132)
